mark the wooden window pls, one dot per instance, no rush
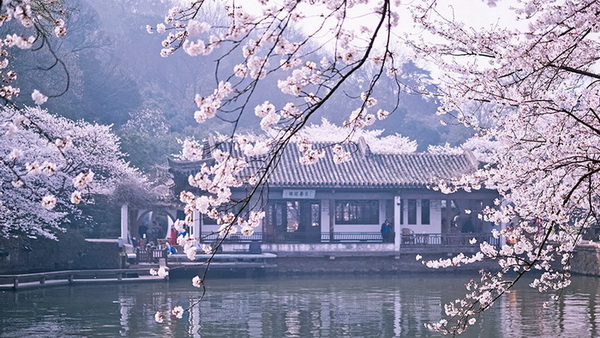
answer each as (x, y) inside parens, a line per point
(357, 212)
(425, 212)
(293, 216)
(208, 221)
(315, 214)
(412, 211)
(276, 216)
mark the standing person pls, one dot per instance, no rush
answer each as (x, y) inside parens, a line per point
(386, 231)
(173, 236)
(467, 227)
(391, 233)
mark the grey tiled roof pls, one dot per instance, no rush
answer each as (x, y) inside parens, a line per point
(365, 170)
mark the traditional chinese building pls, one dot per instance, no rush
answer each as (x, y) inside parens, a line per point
(330, 207)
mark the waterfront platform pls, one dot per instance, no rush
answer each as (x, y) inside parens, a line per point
(74, 277)
(174, 260)
(242, 264)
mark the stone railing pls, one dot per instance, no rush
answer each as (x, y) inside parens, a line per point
(360, 237)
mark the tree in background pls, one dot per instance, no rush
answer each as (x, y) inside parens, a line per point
(327, 132)
(535, 82)
(147, 139)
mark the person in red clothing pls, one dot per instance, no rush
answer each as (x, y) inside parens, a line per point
(173, 236)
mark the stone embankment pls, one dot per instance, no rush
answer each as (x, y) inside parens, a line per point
(586, 260)
(77, 253)
(364, 263)
(70, 251)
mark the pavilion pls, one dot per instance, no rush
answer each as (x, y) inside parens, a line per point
(336, 207)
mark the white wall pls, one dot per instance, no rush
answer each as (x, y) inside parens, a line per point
(358, 227)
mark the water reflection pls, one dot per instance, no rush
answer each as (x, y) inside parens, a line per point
(574, 314)
(292, 307)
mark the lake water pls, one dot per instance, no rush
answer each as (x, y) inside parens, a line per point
(308, 306)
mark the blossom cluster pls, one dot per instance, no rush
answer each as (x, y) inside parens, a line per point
(40, 159)
(340, 155)
(309, 155)
(208, 106)
(269, 117)
(162, 271)
(301, 77)
(250, 148)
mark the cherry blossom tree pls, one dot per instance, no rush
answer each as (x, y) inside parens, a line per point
(45, 175)
(29, 26)
(530, 90)
(538, 83)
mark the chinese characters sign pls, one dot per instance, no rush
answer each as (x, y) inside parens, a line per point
(299, 194)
